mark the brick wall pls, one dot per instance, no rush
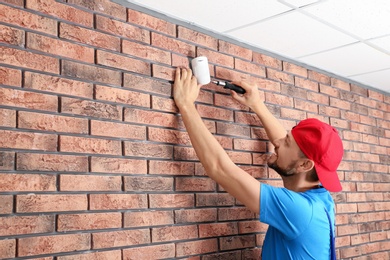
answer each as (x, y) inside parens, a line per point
(95, 161)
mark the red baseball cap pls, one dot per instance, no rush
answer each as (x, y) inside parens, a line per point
(321, 143)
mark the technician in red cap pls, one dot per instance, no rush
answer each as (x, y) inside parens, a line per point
(300, 215)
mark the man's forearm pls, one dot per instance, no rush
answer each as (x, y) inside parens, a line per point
(210, 153)
(272, 126)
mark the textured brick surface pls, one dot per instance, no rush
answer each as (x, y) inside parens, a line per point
(95, 161)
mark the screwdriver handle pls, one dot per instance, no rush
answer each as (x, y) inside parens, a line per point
(235, 88)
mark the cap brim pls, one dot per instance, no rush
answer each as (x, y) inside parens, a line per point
(329, 179)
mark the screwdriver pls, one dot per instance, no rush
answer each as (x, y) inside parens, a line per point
(231, 86)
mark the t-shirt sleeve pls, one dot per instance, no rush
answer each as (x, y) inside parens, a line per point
(288, 211)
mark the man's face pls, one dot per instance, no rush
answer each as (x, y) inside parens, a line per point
(286, 156)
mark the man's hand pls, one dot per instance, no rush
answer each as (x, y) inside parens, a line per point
(251, 98)
(185, 88)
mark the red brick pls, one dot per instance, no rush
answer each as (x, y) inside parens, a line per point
(240, 157)
(233, 255)
(121, 238)
(280, 76)
(151, 22)
(171, 200)
(305, 105)
(60, 48)
(91, 73)
(57, 85)
(61, 11)
(252, 227)
(150, 252)
(26, 99)
(232, 129)
(117, 201)
(228, 102)
(230, 75)
(218, 229)
(7, 118)
(215, 113)
(329, 111)
(168, 136)
(90, 183)
(51, 162)
(229, 243)
(148, 218)
(148, 183)
(71, 222)
(53, 244)
(25, 140)
(195, 215)
(181, 61)
(267, 61)
(103, 6)
(247, 118)
(6, 205)
(196, 247)
(28, 60)
(338, 83)
(295, 69)
(197, 37)
(14, 2)
(171, 168)
(122, 62)
(10, 77)
(317, 76)
(7, 248)
(146, 52)
(173, 45)
(165, 104)
(118, 130)
(89, 37)
(234, 50)
(279, 99)
(12, 36)
(19, 225)
(350, 252)
(50, 203)
(146, 84)
(90, 108)
(122, 29)
(249, 145)
(28, 20)
(172, 233)
(107, 255)
(52, 123)
(27, 182)
(292, 113)
(7, 160)
(120, 95)
(214, 199)
(331, 91)
(235, 213)
(118, 165)
(307, 84)
(216, 57)
(89, 145)
(249, 67)
(142, 149)
(194, 184)
(163, 72)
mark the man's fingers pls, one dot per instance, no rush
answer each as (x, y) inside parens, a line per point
(177, 74)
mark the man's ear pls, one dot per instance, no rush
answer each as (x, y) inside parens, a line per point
(305, 165)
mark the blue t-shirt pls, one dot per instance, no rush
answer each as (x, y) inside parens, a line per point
(298, 224)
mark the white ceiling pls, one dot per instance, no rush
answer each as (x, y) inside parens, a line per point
(348, 38)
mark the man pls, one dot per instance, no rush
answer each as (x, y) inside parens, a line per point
(301, 215)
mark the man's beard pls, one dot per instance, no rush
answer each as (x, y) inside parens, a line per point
(281, 171)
